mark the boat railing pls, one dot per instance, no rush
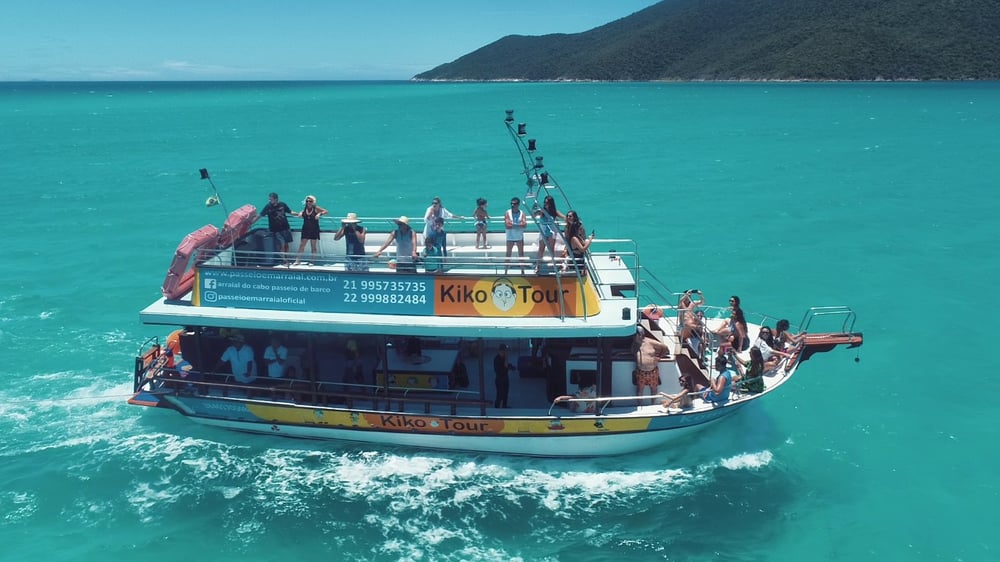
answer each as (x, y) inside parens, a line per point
(603, 402)
(842, 314)
(305, 392)
(653, 290)
(386, 263)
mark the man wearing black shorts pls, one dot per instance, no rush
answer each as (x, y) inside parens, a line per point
(277, 221)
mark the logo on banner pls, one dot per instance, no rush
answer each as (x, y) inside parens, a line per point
(503, 294)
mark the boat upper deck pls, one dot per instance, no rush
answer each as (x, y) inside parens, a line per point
(472, 291)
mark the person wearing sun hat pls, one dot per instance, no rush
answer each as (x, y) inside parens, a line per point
(406, 246)
(354, 234)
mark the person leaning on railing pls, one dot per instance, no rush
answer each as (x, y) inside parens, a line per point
(354, 235)
(577, 239)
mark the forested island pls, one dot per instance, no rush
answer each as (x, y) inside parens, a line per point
(757, 40)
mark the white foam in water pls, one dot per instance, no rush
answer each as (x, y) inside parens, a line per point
(17, 506)
(748, 461)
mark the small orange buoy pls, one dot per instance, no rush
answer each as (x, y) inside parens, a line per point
(653, 312)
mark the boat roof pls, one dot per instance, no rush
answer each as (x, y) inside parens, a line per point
(607, 323)
(462, 300)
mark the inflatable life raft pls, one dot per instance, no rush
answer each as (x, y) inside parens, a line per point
(202, 244)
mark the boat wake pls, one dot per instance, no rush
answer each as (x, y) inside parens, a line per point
(372, 503)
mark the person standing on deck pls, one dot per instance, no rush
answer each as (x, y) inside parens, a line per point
(482, 223)
(275, 357)
(433, 213)
(406, 246)
(502, 369)
(515, 220)
(435, 246)
(547, 230)
(354, 235)
(241, 360)
(277, 213)
(310, 214)
(647, 363)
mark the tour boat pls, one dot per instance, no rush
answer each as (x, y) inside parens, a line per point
(374, 354)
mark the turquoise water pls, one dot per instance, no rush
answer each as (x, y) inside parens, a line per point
(879, 196)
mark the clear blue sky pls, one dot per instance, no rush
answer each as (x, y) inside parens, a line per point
(270, 39)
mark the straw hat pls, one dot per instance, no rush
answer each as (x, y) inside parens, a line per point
(351, 218)
(403, 220)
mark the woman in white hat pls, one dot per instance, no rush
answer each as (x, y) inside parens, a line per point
(406, 246)
(351, 229)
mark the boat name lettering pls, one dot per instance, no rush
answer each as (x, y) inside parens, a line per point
(225, 407)
(403, 422)
(527, 294)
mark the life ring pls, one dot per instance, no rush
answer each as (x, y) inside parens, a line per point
(174, 342)
(180, 276)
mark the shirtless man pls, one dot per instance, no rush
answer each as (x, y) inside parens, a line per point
(647, 358)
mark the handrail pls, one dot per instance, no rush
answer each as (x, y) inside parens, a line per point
(539, 180)
(189, 378)
(850, 317)
(609, 399)
(250, 258)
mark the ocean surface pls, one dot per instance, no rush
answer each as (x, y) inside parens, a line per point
(883, 197)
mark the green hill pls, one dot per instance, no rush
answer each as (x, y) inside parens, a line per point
(757, 40)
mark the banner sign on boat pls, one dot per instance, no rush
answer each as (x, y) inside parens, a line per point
(410, 294)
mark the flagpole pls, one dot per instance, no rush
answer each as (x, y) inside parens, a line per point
(213, 199)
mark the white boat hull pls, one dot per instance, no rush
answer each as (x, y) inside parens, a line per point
(567, 435)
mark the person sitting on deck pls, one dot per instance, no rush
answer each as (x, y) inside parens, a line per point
(716, 392)
(241, 360)
(765, 344)
(726, 329)
(734, 333)
(785, 340)
(691, 321)
(751, 378)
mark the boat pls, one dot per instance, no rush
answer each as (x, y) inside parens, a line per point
(394, 358)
